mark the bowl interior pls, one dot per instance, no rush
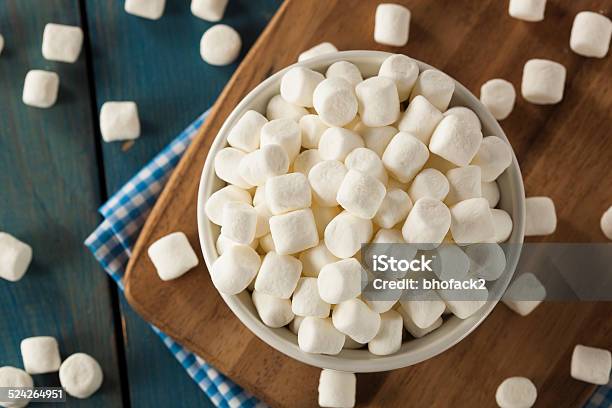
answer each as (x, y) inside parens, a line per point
(413, 351)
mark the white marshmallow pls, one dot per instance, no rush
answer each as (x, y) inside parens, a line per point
(40, 88)
(503, 225)
(312, 128)
(591, 33)
(215, 203)
(266, 243)
(223, 243)
(472, 221)
(355, 319)
(405, 156)
(388, 236)
(464, 183)
(283, 132)
(278, 108)
(278, 275)
(14, 378)
(516, 392)
(382, 306)
(239, 222)
(172, 256)
(232, 272)
(455, 141)
(527, 10)
(298, 85)
(80, 375)
(259, 165)
(420, 119)
(394, 208)
(323, 216)
(414, 330)
(453, 263)
(40, 355)
(425, 311)
(294, 325)
(209, 10)
(288, 192)
(226, 167)
(220, 45)
(427, 223)
(379, 103)
(606, 223)
(429, 183)
(335, 101)
(263, 220)
(294, 231)
(273, 311)
(376, 139)
(62, 42)
(15, 257)
(153, 9)
(540, 216)
(245, 134)
(487, 261)
(1, 43)
(467, 116)
(317, 335)
(524, 294)
(436, 86)
(361, 194)
(403, 70)
(340, 281)
(392, 24)
(464, 303)
(368, 162)
(591, 364)
(345, 234)
(336, 143)
(498, 96)
(493, 157)
(345, 70)
(490, 191)
(325, 179)
(320, 49)
(306, 160)
(306, 300)
(314, 259)
(543, 81)
(388, 340)
(337, 389)
(119, 121)
(259, 197)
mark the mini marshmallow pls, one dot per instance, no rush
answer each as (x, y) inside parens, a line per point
(325, 179)
(543, 81)
(606, 223)
(306, 160)
(278, 108)
(379, 103)
(214, 206)
(14, 378)
(516, 392)
(263, 220)
(15, 257)
(355, 319)
(259, 197)
(464, 303)
(376, 139)
(239, 222)
(1, 43)
(541, 218)
(312, 128)
(391, 297)
(503, 225)
(317, 335)
(487, 261)
(591, 364)
(472, 221)
(294, 325)
(298, 85)
(40, 88)
(172, 256)
(245, 134)
(283, 132)
(368, 162)
(426, 310)
(464, 183)
(420, 119)
(345, 70)
(40, 355)
(490, 191)
(345, 234)
(209, 10)
(223, 243)
(337, 389)
(278, 275)
(436, 86)
(403, 70)
(498, 96)
(527, 10)
(274, 312)
(314, 259)
(62, 42)
(524, 294)
(323, 216)
(220, 45)
(591, 33)
(392, 24)
(361, 194)
(288, 192)
(306, 300)
(80, 375)
(153, 9)
(427, 223)
(414, 330)
(294, 231)
(405, 156)
(453, 263)
(455, 141)
(429, 183)
(227, 162)
(119, 121)
(335, 101)
(493, 157)
(336, 143)
(340, 281)
(388, 340)
(394, 208)
(266, 243)
(318, 50)
(260, 165)
(232, 272)
(467, 116)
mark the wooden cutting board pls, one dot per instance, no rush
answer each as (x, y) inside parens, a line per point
(565, 152)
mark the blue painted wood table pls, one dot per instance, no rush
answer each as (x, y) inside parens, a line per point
(55, 172)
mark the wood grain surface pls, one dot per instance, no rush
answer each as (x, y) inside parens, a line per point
(564, 151)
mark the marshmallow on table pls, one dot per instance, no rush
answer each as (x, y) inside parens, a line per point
(606, 223)
(392, 24)
(420, 119)
(361, 194)
(317, 51)
(305, 161)
(232, 272)
(336, 143)
(258, 166)
(515, 392)
(14, 378)
(239, 222)
(340, 281)
(436, 86)
(543, 81)
(414, 330)
(527, 10)
(119, 121)
(493, 157)
(323, 216)
(80, 375)
(379, 103)
(40, 88)
(209, 10)
(226, 167)
(288, 192)
(429, 183)
(214, 206)
(278, 108)
(403, 70)
(318, 335)
(245, 134)
(273, 311)
(312, 128)
(62, 42)
(376, 139)
(487, 261)
(298, 85)
(427, 223)
(425, 311)
(172, 256)
(335, 101)
(314, 259)
(464, 183)
(455, 140)
(15, 257)
(220, 45)
(325, 179)
(40, 355)
(472, 221)
(337, 389)
(503, 225)
(405, 156)
(283, 132)
(345, 234)
(152, 9)
(278, 275)
(294, 231)
(368, 162)
(355, 319)
(306, 300)
(498, 96)
(490, 191)
(394, 208)
(346, 71)
(540, 216)
(591, 33)
(524, 294)
(591, 364)
(388, 340)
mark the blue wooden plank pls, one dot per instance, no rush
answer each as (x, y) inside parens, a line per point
(49, 190)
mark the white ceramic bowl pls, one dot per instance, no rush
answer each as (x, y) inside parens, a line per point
(411, 352)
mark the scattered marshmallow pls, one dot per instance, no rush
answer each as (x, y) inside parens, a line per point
(288, 192)
(591, 364)
(305, 161)
(273, 311)
(14, 378)
(220, 45)
(516, 392)
(233, 271)
(420, 119)
(214, 206)
(455, 141)
(119, 121)
(345, 234)
(315, 259)
(472, 221)
(278, 275)
(527, 10)
(394, 208)
(424, 312)
(487, 261)
(62, 42)
(318, 335)
(361, 194)
(283, 132)
(318, 50)
(153, 9)
(40, 355)
(524, 294)
(335, 101)
(405, 156)
(340, 281)
(245, 134)
(227, 164)
(392, 24)
(403, 70)
(503, 225)
(368, 162)
(379, 103)
(464, 183)
(209, 10)
(337, 389)
(606, 223)
(376, 139)
(268, 161)
(427, 223)
(323, 216)
(436, 86)
(498, 96)
(388, 340)
(543, 81)
(325, 179)
(493, 157)
(172, 256)
(80, 375)
(336, 143)
(490, 191)
(15, 257)
(429, 183)
(298, 85)
(278, 108)
(346, 71)
(355, 319)
(540, 218)
(312, 128)
(306, 300)
(294, 231)
(416, 331)
(591, 33)
(40, 88)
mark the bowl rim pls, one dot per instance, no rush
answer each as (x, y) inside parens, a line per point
(268, 335)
